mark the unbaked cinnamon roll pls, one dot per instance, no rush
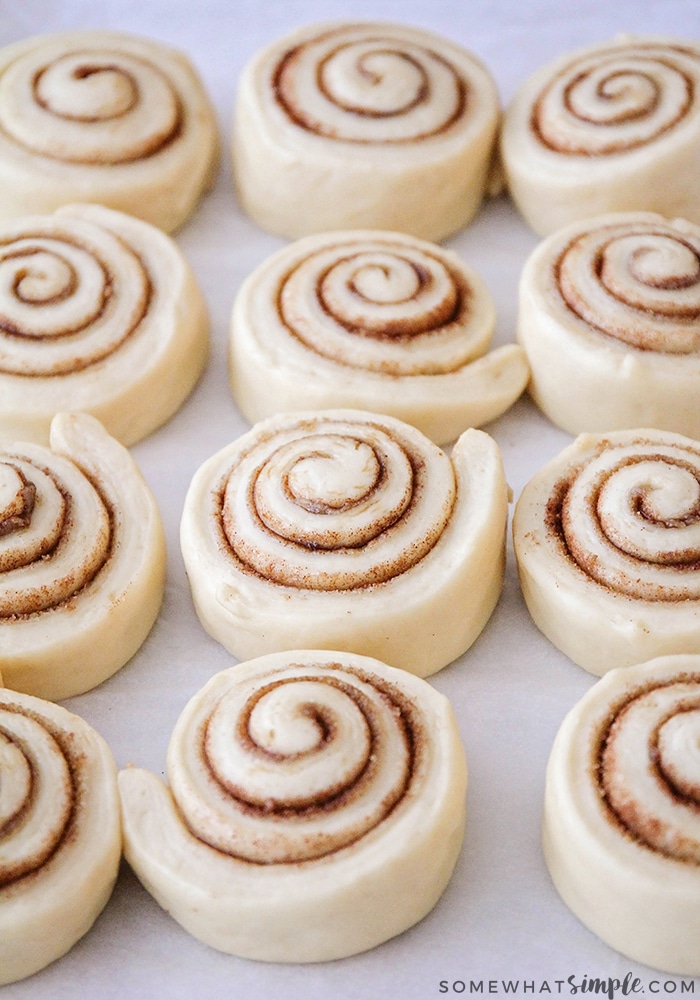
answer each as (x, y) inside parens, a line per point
(315, 807)
(610, 320)
(379, 321)
(103, 116)
(82, 560)
(607, 539)
(610, 128)
(364, 125)
(621, 833)
(349, 530)
(99, 312)
(60, 832)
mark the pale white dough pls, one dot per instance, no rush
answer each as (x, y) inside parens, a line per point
(69, 621)
(345, 125)
(375, 320)
(608, 128)
(621, 834)
(102, 314)
(607, 541)
(103, 116)
(609, 317)
(322, 813)
(350, 530)
(60, 832)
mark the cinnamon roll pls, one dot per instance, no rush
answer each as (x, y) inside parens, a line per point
(609, 128)
(99, 312)
(82, 560)
(103, 116)
(60, 832)
(607, 540)
(339, 125)
(610, 320)
(349, 530)
(379, 321)
(620, 830)
(315, 807)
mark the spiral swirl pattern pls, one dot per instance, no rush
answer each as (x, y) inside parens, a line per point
(55, 533)
(617, 99)
(60, 832)
(621, 829)
(609, 128)
(314, 807)
(656, 804)
(296, 765)
(617, 301)
(108, 105)
(630, 519)
(345, 529)
(71, 295)
(382, 305)
(103, 117)
(334, 504)
(354, 118)
(41, 792)
(636, 281)
(376, 321)
(81, 560)
(369, 85)
(607, 539)
(99, 312)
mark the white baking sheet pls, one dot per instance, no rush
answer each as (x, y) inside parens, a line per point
(500, 928)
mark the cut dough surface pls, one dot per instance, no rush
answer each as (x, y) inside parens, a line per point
(607, 539)
(60, 832)
(349, 529)
(315, 807)
(107, 117)
(609, 128)
(374, 320)
(340, 125)
(82, 560)
(620, 830)
(101, 314)
(609, 317)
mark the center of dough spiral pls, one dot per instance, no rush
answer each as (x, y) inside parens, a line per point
(649, 768)
(295, 767)
(367, 87)
(335, 505)
(639, 284)
(617, 100)
(630, 519)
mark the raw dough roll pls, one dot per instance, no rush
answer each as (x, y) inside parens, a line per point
(377, 321)
(349, 530)
(364, 125)
(316, 807)
(610, 320)
(60, 832)
(621, 833)
(607, 539)
(610, 128)
(99, 312)
(103, 116)
(82, 560)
